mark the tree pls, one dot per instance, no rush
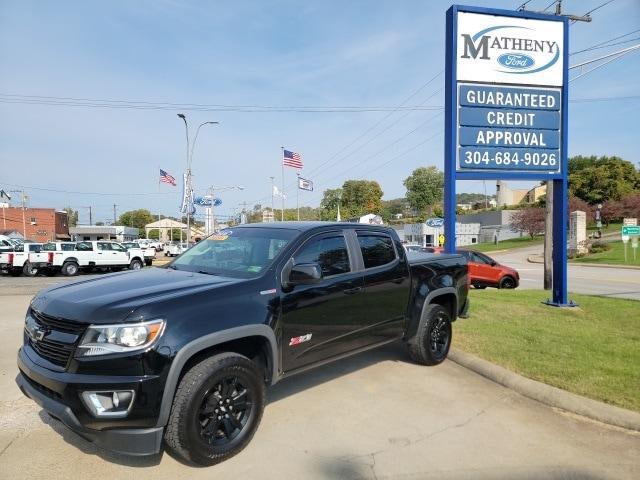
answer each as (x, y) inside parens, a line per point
(136, 218)
(529, 221)
(329, 203)
(393, 207)
(597, 180)
(360, 197)
(424, 188)
(154, 234)
(72, 216)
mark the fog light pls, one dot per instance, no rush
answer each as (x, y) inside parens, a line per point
(113, 404)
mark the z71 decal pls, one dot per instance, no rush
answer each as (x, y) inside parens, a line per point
(301, 339)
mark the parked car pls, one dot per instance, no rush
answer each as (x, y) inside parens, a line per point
(97, 254)
(484, 271)
(184, 352)
(175, 249)
(43, 260)
(16, 262)
(148, 251)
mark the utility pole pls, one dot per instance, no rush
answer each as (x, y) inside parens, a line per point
(548, 217)
(273, 211)
(90, 215)
(114, 214)
(23, 199)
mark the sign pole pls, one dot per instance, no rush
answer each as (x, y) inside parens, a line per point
(451, 100)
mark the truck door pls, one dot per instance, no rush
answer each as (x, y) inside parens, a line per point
(104, 255)
(386, 286)
(321, 320)
(120, 254)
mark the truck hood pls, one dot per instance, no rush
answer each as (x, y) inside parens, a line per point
(114, 297)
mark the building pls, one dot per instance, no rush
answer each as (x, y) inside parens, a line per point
(495, 226)
(433, 236)
(118, 233)
(167, 227)
(36, 224)
(506, 196)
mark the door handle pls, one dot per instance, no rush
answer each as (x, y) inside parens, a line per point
(351, 291)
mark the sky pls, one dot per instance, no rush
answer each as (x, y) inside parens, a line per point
(256, 53)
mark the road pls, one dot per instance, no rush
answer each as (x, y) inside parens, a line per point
(610, 282)
(373, 416)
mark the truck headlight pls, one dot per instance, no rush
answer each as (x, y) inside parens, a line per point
(121, 338)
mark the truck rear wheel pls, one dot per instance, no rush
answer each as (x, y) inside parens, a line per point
(28, 270)
(217, 409)
(431, 344)
(70, 269)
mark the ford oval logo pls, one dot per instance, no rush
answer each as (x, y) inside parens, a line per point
(517, 61)
(435, 222)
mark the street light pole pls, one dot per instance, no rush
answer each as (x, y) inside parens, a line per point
(212, 190)
(188, 188)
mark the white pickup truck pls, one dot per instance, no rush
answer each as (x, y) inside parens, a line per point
(149, 251)
(42, 261)
(93, 254)
(17, 262)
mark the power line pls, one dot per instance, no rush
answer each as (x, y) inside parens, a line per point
(603, 44)
(550, 5)
(598, 7)
(84, 193)
(522, 7)
(144, 105)
(608, 45)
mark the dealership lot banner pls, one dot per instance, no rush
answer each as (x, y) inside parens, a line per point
(506, 109)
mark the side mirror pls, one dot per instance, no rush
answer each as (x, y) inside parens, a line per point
(493, 263)
(305, 274)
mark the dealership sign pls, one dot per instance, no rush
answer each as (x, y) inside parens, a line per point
(508, 77)
(506, 109)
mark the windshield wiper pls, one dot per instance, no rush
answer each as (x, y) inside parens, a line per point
(208, 273)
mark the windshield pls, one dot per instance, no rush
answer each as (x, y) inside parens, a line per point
(241, 252)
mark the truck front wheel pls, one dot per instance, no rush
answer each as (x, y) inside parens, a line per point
(217, 409)
(433, 339)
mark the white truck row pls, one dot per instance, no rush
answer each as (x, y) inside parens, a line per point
(69, 258)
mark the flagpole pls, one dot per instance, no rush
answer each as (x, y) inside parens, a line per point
(298, 196)
(273, 211)
(282, 192)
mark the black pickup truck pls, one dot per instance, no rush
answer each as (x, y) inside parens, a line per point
(184, 352)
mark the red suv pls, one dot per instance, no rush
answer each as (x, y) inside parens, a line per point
(484, 271)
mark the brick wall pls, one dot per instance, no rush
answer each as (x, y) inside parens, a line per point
(42, 224)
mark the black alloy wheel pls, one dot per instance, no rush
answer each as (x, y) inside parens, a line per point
(440, 336)
(224, 412)
(507, 282)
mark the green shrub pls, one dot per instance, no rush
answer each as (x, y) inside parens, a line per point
(598, 247)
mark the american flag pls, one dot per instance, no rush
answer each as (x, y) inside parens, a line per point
(166, 178)
(292, 159)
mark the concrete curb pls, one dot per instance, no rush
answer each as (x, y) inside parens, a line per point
(540, 259)
(552, 396)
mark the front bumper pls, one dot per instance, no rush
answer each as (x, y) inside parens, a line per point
(36, 383)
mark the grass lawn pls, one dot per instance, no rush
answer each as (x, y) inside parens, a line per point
(592, 350)
(613, 256)
(526, 241)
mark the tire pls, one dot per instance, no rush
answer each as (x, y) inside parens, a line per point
(431, 344)
(148, 263)
(70, 269)
(135, 264)
(196, 405)
(28, 270)
(507, 282)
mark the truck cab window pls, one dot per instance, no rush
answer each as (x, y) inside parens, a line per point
(329, 252)
(376, 250)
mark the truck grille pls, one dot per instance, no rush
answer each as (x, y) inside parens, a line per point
(59, 324)
(58, 353)
(55, 352)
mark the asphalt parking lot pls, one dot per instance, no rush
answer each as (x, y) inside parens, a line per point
(375, 415)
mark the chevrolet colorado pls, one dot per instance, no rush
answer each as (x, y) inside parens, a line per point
(184, 352)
